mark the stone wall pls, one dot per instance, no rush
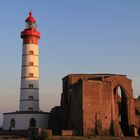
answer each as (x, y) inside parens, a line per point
(137, 111)
(93, 105)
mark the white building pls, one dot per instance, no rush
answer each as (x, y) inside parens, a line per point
(29, 114)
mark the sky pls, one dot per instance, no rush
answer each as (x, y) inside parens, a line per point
(77, 36)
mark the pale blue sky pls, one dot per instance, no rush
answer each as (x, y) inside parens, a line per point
(77, 36)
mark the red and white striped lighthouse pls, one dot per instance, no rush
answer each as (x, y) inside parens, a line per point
(29, 92)
(29, 114)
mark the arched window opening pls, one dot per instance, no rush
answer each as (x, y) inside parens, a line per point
(121, 108)
(32, 122)
(119, 92)
(12, 123)
(139, 131)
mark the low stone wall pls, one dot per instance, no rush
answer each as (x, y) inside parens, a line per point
(11, 137)
(67, 132)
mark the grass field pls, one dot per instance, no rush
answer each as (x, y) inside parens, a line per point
(14, 137)
(93, 138)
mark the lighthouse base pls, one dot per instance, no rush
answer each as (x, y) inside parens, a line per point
(22, 120)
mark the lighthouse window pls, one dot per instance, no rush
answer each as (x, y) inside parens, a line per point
(12, 123)
(31, 63)
(30, 97)
(30, 85)
(31, 75)
(30, 109)
(31, 52)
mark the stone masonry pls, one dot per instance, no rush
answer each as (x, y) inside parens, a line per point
(96, 104)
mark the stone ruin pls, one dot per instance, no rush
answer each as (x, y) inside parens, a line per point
(97, 104)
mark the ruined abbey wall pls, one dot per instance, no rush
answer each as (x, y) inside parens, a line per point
(96, 104)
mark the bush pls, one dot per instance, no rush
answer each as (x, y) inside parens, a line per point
(43, 135)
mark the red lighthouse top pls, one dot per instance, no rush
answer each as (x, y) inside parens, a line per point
(30, 18)
(30, 35)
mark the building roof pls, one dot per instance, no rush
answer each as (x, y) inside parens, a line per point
(30, 18)
(98, 75)
(27, 112)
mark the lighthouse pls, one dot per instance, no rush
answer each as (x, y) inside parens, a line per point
(29, 114)
(29, 91)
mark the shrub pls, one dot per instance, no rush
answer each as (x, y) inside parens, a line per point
(43, 135)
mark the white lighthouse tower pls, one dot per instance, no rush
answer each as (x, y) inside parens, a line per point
(29, 92)
(29, 114)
